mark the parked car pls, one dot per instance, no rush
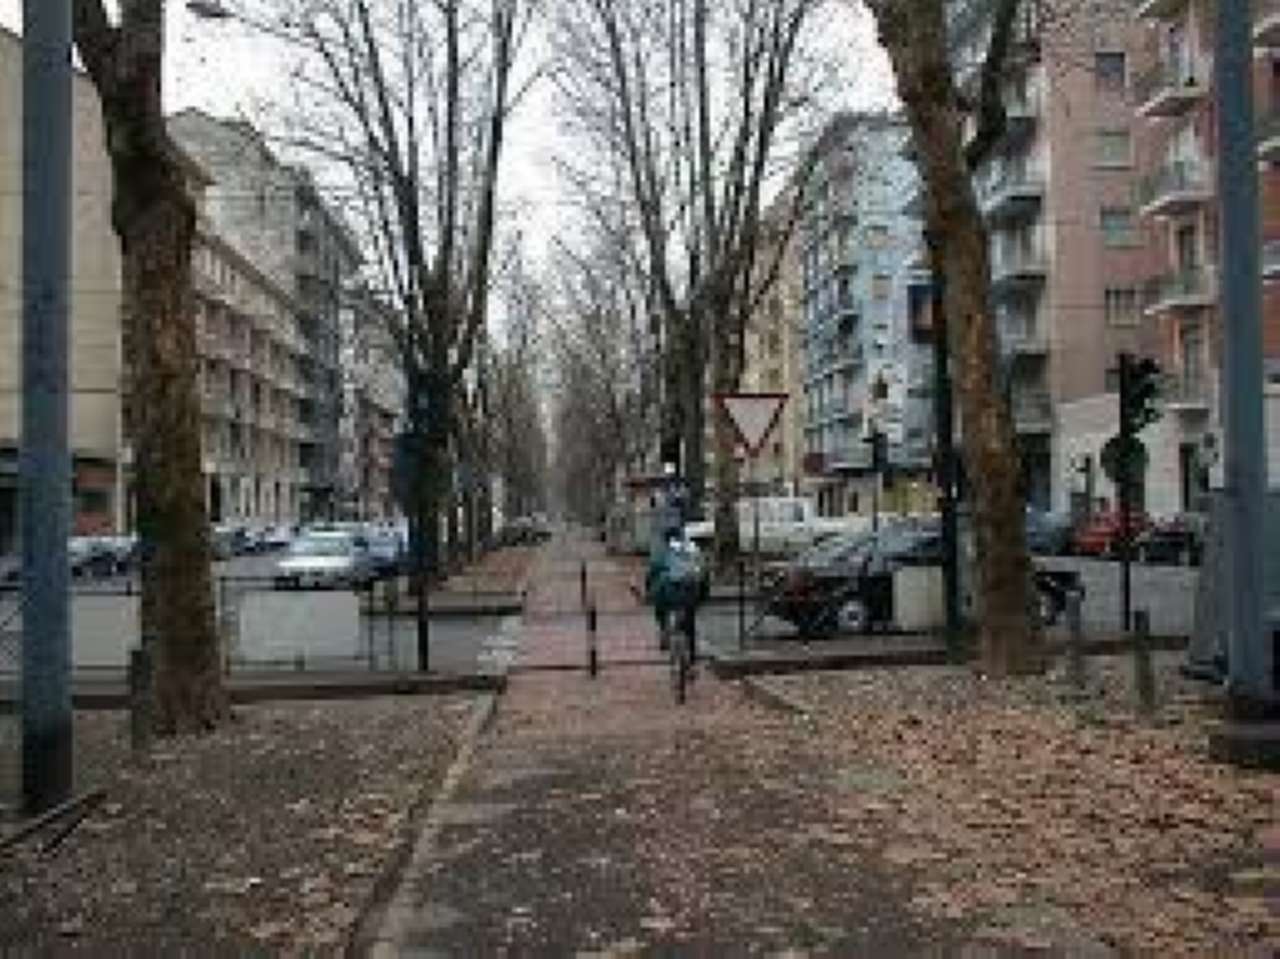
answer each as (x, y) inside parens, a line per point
(323, 560)
(122, 550)
(227, 540)
(89, 556)
(1175, 539)
(1099, 535)
(1048, 534)
(844, 583)
(276, 538)
(385, 554)
(524, 531)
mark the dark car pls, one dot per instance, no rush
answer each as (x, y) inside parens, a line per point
(844, 583)
(1099, 535)
(385, 554)
(1176, 539)
(1048, 534)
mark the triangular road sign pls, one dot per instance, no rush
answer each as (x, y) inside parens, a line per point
(753, 415)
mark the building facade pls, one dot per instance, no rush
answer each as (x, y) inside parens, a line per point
(865, 372)
(372, 409)
(95, 364)
(274, 214)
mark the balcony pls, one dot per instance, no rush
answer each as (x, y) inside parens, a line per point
(1271, 260)
(1266, 23)
(1032, 412)
(853, 458)
(1267, 132)
(1012, 193)
(1017, 269)
(1158, 9)
(1186, 393)
(1190, 288)
(1170, 89)
(1021, 114)
(1176, 188)
(1024, 342)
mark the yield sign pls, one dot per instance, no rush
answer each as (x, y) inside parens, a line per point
(753, 415)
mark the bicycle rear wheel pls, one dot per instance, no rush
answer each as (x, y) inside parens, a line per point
(679, 665)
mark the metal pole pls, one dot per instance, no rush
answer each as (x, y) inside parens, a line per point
(1250, 660)
(1126, 493)
(45, 460)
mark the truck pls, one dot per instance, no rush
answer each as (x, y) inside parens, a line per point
(787, 525)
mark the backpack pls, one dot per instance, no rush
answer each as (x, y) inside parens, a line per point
(681, 580)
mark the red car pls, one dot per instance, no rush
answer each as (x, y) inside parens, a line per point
(1099, 535)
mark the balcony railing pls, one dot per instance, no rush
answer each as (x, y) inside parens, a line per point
(1271, 259)
(1189, 392)
(1010, 191)
(1175, 188)
(1032, 411)
(1266, 23)
(1158, 9)
(1189, 288)
(1013, 265)
(1267, 132)
(1171, 87)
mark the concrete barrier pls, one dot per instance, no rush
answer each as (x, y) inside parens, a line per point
(918, 605)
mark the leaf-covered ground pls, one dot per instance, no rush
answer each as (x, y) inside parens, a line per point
(265, 837)
(1046, 822)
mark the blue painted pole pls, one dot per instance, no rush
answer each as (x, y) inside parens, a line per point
(45, 461)
(1250, 672)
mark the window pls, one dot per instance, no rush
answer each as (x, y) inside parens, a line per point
(880, 286)
(1118, 228)
(1109, 70)
(1121, 306)
(1114, 149)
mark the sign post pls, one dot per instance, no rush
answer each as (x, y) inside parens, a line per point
(753, 417)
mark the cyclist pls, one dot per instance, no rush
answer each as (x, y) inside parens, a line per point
(675, 584)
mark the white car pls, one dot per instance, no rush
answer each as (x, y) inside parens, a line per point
(322, 560)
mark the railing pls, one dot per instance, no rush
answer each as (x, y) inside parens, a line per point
(1182, 176)
(1009, 180)
(1271, 257)
(1006, 263)
(1190, 283)
(1032, 408)
(1182, 75)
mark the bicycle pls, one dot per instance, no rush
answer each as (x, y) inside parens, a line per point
(680, 652)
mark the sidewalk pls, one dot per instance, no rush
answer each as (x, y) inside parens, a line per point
(596, 818)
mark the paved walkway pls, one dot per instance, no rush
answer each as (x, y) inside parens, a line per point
(597, 818)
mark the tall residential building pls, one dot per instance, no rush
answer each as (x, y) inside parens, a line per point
(95, 359)
(372, 408)
(1175, 98)
(274, 213)
(1069, 255)
(771, 346)
(865, 371)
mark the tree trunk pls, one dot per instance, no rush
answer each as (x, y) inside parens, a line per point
(1010, 639)
(725, 375)
(694, 402)
(165, 426)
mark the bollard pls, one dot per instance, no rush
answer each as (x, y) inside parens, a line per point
(592, 656)
(582, 582)
(742, 605)
(1075, 643)
(140, 717)
(1143, 674)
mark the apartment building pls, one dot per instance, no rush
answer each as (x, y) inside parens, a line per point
(95, 354)
(252, 393)
(274, 214)
(772, 361)
(1183, 326)
(864, 370)
(372, 409)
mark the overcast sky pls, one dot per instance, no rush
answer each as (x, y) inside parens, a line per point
(227, 69)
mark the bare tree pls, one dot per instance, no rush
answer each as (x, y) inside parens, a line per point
(413, 100)
(923, 38)
(154, 216)
(692, 99)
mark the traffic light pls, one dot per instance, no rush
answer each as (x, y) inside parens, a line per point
(1139, 393)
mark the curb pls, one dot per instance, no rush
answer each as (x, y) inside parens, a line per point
(376, 931)
(379, 930)
(772, 698)
(115, 694)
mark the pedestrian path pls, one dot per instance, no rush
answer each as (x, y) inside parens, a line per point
(596, 818)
